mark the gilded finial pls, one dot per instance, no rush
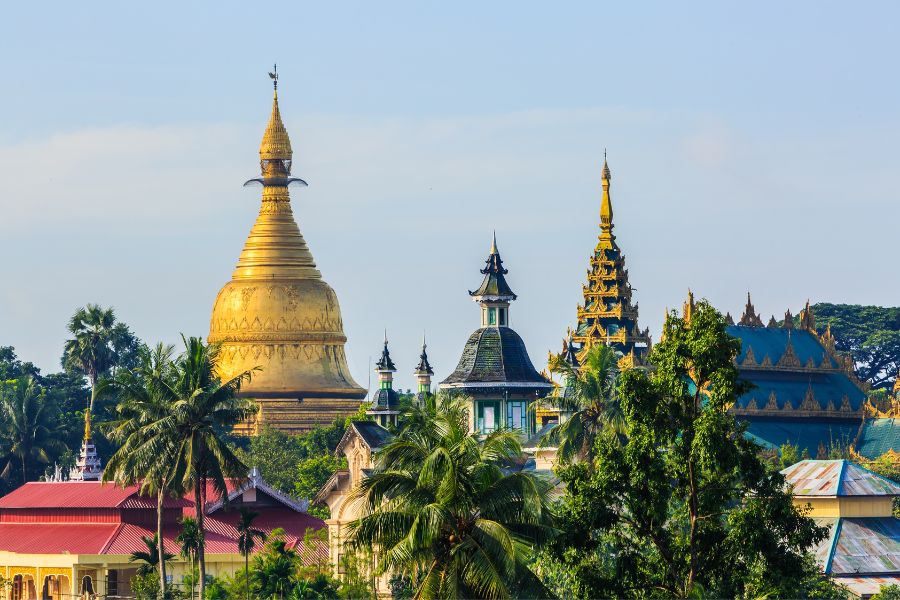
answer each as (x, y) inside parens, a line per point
(606, 210)
(87, 425)
(494, 243)
(276, 145)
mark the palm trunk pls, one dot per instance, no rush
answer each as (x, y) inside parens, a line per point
(93, 382)
(193, 577)
(24, 472)
(201, 551)
(160, 545)
(247, 574)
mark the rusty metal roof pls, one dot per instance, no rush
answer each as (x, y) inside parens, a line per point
(864, 546)
(833, 478)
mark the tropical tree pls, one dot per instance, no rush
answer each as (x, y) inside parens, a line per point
(247, 536)
(275, 568)
(30, 429)
(98, 343)
(203, 410)
(588, 401)
(870, 334)
(189, 539)
(149, 557)
(680, 504)
(444, 507)
(142, 402)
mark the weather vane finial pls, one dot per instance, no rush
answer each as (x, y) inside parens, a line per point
(274, 75)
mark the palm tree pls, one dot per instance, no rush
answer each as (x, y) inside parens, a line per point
(29, 422)
(203, 411)
(150, 557)
(446, 506)
(247, 536)
(97, 339)
(588, 402)
(142, 402)
(275, 568)
(189, 538)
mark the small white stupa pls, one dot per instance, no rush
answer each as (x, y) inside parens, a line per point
(88, 467)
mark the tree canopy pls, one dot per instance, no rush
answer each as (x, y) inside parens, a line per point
(871, 334)
(679, 503)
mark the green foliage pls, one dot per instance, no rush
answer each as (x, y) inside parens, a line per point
(355, 585)
(149, 558)
(679, 504)
(888, 592)
(98, 344)
(788, 454)
(871, 334)
(440, 503)
(145, 586)
(589, 396)
(312, 474)
(275, 568)
(30, 428)
(297, 464)
(887, 465)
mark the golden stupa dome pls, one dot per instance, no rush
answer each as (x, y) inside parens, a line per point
(277, 313)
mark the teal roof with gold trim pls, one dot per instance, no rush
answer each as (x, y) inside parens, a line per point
(792, 371)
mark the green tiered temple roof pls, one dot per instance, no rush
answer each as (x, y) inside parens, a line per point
(607, 315)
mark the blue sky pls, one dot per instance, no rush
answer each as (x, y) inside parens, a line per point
(753, 147)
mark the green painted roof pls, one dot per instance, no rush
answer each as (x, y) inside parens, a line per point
(879, 436)
(805, 433)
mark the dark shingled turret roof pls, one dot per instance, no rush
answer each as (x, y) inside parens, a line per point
(495, 356)
(385, 363)
(424, 367)
(494, 283)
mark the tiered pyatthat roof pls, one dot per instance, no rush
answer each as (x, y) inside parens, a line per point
(493, 286)
(608, 315)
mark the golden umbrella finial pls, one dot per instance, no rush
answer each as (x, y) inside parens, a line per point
(276, 145)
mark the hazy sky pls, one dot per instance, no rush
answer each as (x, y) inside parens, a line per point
(753, 146)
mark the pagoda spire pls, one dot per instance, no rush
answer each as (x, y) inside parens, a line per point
(88, 466)
(607, 238)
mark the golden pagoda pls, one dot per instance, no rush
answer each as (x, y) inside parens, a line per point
(278, 314)
(607, 315)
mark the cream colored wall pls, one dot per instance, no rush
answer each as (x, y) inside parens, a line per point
(74, 567)
(866, 506)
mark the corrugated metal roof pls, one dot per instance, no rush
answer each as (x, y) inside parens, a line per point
(866, 586)
(837, 478)
(79, 494)
(867, 546)
(55, 538)
(878, 436)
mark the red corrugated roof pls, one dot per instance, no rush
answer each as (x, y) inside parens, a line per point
(55, 538)
(221, 534)
(81, 494)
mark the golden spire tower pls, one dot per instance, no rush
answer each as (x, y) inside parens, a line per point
(278, 314)
(608, 315)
